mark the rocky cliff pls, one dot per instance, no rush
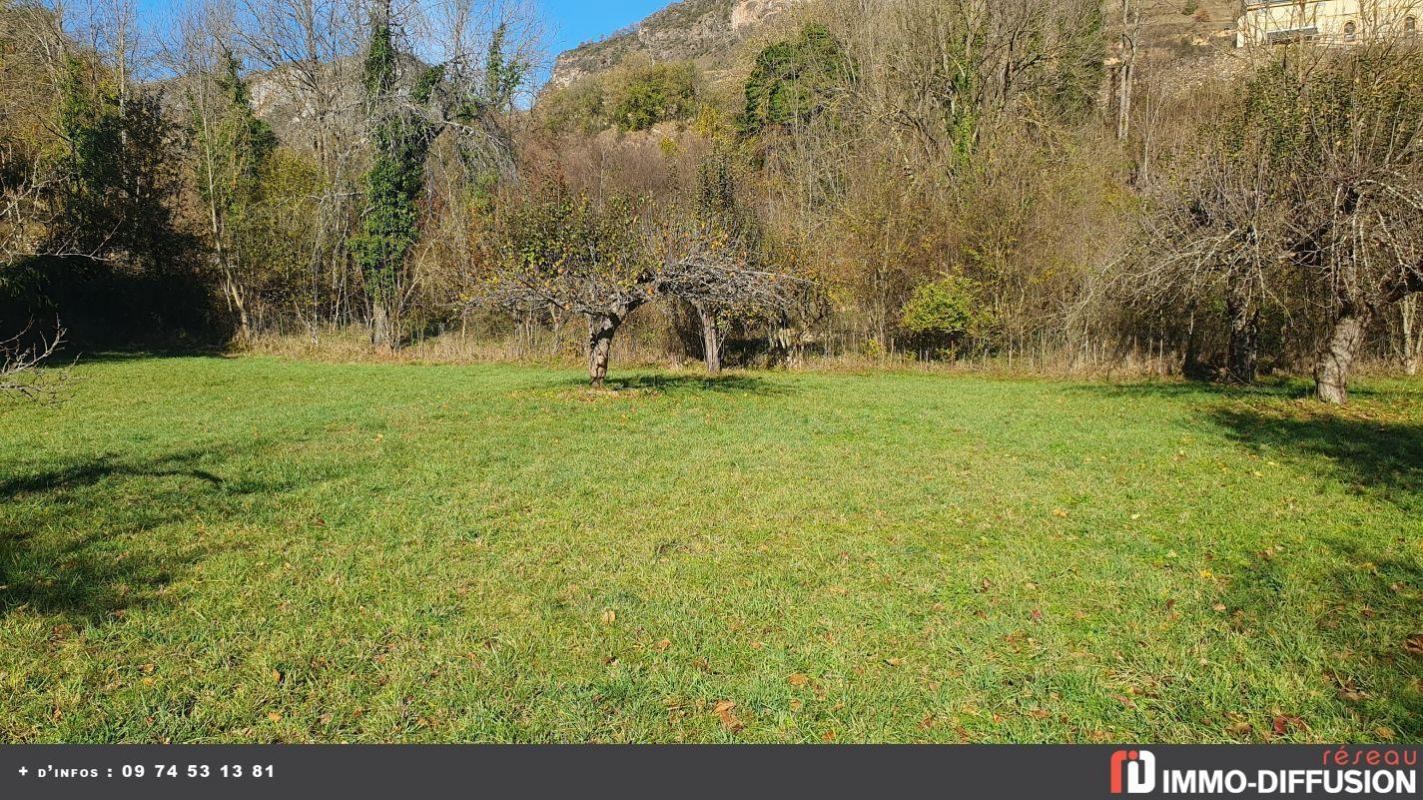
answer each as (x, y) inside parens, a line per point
(688, 30)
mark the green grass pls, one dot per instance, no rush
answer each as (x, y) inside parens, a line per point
(241, 550)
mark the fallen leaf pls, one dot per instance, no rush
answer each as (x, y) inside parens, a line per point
(1219, 608)
(609, 617)
(728, 720)
(1414, 644)
(894, 662)
(1242, 729)
(927, 723)
(1386, 734)
(1060, 513)
(274, 716)
(1351, 695)
(277, 676)
(662, 646)
(796, 704)
(828, 737)
(1284, 724)
(798, 679)
(1037, 616)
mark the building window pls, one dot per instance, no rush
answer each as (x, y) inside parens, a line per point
(1351, 32)
(1410, 27)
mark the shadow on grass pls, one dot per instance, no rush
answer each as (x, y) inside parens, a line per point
(88, 579)
(82, 355)
(92, 539)
(1281, 389)
(1365, 604)
(77, 476)
(1371, 583)
(1376, 458)
(688, 384)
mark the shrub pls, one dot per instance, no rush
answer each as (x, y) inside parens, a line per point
(940, 314)
(654, 94)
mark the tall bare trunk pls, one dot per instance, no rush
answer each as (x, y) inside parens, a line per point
(1126, 71)
(238, 302)
(1411, 336)
(711, 340)
(1337, 357)
(600, 347)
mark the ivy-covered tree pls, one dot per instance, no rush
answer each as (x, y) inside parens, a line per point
(796, 80)
(401, 138)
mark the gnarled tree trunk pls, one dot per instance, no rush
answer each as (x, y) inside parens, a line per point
(600, 347)
(1243, 359)
(381, 333)
(1340, 351)
(711, 339)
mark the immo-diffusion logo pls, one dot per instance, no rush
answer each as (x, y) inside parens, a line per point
(1138, 767)
(1368, 771)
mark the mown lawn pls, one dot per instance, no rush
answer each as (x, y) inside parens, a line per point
(255, 550)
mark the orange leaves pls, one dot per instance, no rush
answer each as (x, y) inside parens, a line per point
(729, 721)
(609, 616)
(798, 680)
(1285, 724)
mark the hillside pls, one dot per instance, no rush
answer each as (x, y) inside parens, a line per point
(701, 29)
(683, 31)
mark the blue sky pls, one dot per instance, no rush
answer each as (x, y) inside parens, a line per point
(572, 22)
(568, 23)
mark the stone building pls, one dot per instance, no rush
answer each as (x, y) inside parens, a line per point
(1340, 22)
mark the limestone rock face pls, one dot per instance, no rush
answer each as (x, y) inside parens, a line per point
(688, 30)
(748, 13)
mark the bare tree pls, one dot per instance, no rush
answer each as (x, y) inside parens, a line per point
(575, 255)
(1360, 196)
(712, 269)
(22, 370)
(1308, 191)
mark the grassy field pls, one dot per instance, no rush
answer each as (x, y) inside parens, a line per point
(256, 550)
